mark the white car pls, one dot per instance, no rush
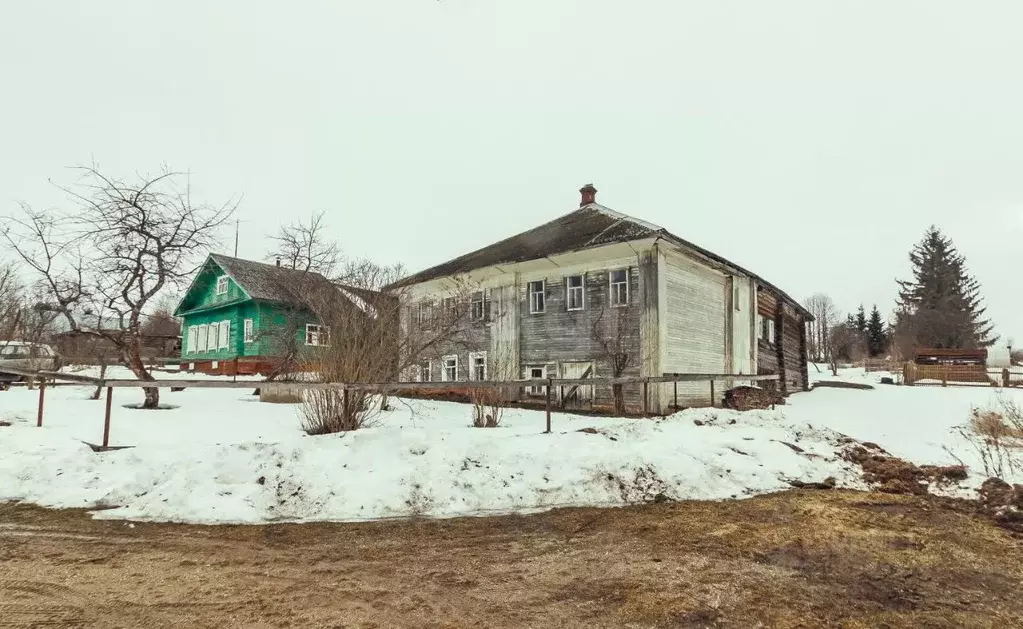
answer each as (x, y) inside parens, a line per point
(28, 357)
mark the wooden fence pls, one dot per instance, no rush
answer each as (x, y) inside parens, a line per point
(395, 388)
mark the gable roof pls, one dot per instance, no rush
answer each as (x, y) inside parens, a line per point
(591, 225)
(269, 282)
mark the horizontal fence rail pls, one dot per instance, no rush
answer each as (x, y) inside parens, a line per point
(547, 384)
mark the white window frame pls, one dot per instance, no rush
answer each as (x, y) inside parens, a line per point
(193, 339)
(611, 284)
(472, 365)
(222, 285)
(765, 329)
(249, 330)
(425, 313)
(532, 389)
(477, 303)
(444, 368)
(224, 335)
(582, 292)
(315, 340)
(533, 309)
(203, 339)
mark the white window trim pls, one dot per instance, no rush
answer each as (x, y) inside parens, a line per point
(222, 280)
(249, 330)
(204, 339)
(193, 339)
(319, 328)
(534, 390)
(530, 293)
(224, 335)
(444, 367)
(472, 365)
(582, 291)
(611, 285)
(482, 306)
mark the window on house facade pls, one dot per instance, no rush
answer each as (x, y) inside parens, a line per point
(476, 306)
(204, 335)
(575, 292)
(537, 373)
(424, 372)
(619, 285)
(425, 313)
(537, 301)
(224, 335)
(318, 335)
(766, 329)
(449, 307)
(250, 332)
(478, 366)
(449, 369)
(222, 285)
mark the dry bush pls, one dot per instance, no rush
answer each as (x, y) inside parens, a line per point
(326, 411)
(486, 408)
(996, 435)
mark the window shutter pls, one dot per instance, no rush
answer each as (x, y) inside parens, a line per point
(225, 334)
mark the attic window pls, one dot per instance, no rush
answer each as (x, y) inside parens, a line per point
(222, 285)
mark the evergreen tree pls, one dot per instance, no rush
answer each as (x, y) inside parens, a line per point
(861, 320)
(941, 306)
(877, 340)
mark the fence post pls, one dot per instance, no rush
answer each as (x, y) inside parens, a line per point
(550, 386)
(562, 389)
(675, 387)
(42, 394)
(712, 399)
(1005, 376)
(106, 417)
(646, 397)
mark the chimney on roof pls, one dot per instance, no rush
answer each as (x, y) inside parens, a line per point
(278, 261)
(589, 194)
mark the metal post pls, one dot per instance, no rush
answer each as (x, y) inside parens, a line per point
(1005, 377)
(675, 386)
(549, 387)
(712, 399)
(42, 394)
(646, 398)
(106, 417)
(562, 389)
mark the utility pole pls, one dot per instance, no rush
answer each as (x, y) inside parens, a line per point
(236, 221)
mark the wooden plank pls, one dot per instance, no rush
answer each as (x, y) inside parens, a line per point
(52, 375)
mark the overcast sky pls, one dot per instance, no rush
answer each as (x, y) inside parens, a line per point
(812, 142)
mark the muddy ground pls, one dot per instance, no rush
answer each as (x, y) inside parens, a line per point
(798, 559)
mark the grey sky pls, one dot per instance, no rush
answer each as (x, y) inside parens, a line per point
(812, 142)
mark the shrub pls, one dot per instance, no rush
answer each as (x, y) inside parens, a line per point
(326, 411)
(486, 408)
(996, 435)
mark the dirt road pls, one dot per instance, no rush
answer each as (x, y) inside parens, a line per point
(799, 559)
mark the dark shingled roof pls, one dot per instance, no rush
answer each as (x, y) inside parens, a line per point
(590, 226)
(269, 282)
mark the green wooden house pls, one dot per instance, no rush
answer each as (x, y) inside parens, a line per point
(237, 315)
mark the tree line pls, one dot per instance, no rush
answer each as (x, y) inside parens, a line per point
(940, 306)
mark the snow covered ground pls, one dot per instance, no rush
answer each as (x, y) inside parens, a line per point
(222, 456)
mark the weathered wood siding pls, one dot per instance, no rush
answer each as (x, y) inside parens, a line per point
(697, 307)
(787, 355)
(743, 326)
(558, 335)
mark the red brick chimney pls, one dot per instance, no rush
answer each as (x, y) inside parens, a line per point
(589, 194)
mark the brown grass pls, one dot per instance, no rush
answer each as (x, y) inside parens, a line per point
(796, 559)
(992, 424)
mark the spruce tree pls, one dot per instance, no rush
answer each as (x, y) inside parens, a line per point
(876, 337)
(861, 320)
(941, 306)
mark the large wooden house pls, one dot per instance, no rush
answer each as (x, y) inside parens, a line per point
(239, 316)
(541, 302)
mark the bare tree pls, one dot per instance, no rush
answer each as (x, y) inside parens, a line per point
(305, 246)
(11, 303)
(818, 337)
(109, 260)
(611, 332)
